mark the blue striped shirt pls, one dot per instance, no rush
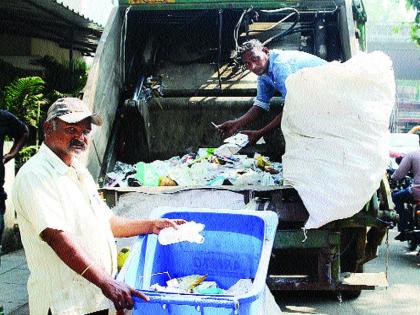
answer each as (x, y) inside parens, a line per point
(282, 63)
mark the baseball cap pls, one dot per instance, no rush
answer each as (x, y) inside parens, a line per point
(72, 110)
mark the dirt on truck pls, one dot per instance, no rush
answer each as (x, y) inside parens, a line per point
(163, 73)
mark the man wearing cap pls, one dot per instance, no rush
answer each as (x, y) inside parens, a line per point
(67, 230)
(10, 126)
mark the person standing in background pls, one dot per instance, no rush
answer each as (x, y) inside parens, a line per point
(411, 194)
(12, 127)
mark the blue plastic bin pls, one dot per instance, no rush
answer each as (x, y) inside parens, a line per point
(237, 246)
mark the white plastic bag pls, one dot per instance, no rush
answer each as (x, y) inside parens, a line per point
(335, 123)
(187, 232)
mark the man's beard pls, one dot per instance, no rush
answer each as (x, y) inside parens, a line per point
(77, 146)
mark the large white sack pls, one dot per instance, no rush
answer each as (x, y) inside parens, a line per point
(335, 123)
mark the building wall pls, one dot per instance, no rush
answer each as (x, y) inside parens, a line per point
(21, 51)
(42, 47)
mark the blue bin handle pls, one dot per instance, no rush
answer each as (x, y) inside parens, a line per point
(192, 300)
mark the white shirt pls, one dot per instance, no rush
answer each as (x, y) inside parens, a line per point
(49, 194)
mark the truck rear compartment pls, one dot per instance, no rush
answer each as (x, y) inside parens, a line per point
(187, 56)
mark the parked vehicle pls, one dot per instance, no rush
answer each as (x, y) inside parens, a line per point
(162, 73)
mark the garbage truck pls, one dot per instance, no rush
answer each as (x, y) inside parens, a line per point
(163, 72)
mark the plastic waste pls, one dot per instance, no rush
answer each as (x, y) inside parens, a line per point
(239, 139)
(181, 174)
(146, 174)
(122, 257)
(207, 168)
(267, 179)
(227, 149)
(249, 178)
(169, 289)
(115, 179)
(209, 290)
(205, 152)
(161, 167)
(188, 283)
(242, 286)
(247, 162)
(217, 181)
(188, 232)
(261, 141)
(199, 173)
(119, 175)
(174, 161)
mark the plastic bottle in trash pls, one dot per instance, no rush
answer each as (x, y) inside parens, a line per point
(146, 174)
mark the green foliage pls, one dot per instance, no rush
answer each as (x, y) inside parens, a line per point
(68, 77)
(8, 74)
(397, 28)
(415, 26)
(24, 98)
(28, 97)
(393, 12)
(25, 154)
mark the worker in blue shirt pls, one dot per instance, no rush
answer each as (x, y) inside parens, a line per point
(272, 68)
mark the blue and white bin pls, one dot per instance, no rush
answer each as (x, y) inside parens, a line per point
(237, 246)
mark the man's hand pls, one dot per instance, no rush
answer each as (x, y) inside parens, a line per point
(253, 136)
(72, 254)
(228, 128)
(121, 294)
(7, 157)
(160, 224)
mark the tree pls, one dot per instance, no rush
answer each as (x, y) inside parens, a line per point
(68, 77)
(415, 27)
(24, 98)
(400, 13)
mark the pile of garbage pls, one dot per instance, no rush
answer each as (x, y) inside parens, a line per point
(196, 284)
(205, 168)
(208, 167)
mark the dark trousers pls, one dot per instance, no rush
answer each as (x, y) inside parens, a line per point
(1, 227)
(2, 211)
(3, 197)
(103, 312)
(399, 198)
